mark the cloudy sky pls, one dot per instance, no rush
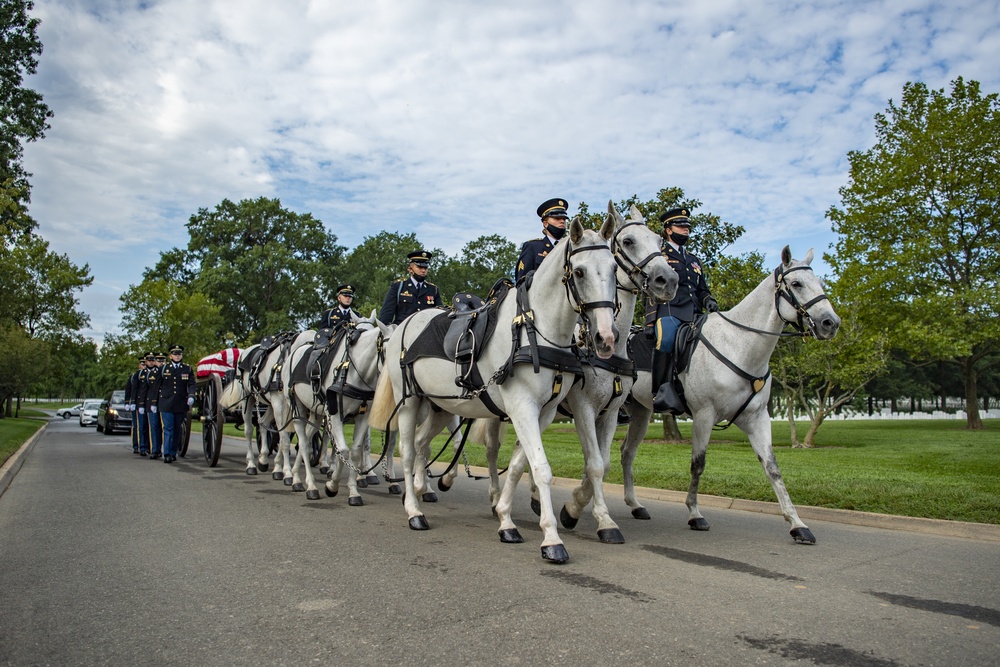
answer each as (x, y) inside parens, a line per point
(453, 119)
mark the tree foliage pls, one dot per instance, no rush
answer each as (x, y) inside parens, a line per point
(919, 245)
(24, 115)
(22, 360)
(158, 313)
(267, 268)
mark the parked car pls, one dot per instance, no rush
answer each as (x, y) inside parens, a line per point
(88, 414)
(112, 416)
(66, 413)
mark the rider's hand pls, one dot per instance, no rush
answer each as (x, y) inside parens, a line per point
(190, 401)
(711, 305)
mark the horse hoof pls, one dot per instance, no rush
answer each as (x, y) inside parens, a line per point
(611, 536)
(566, 520)
(324, 469)
(372, 480)
(394, 489)
(536, 507)
(355, 501)
(442, 487)
(555, 553)
(362, 483)
(251, 471)
(802, 536)
(429, 497)
(701, 523)
(298, 487)
(312, 494)
(419, 523)
(276, 475)
(287, 481)
(510, 536)
(263, 467)
(329, 493)
(641, 513)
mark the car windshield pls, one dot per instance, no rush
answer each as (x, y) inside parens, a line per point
(118, 396)
(91, 405)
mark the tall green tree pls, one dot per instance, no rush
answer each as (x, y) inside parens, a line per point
(157, 313)
(23, 360)
(23, 115)
(482, 262)
(268, 268)
(375, 262)
(919, 231)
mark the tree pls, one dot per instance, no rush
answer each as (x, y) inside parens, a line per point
(267, 268)
(479, 266)
(919, 244)
(22, 360)
(38, 286)
(157, 313)
(24, 117)
(376, 262)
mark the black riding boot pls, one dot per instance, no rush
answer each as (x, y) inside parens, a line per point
(666, 399)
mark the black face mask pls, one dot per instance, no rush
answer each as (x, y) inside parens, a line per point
(679, 239)
(555, 232)
(419, 278)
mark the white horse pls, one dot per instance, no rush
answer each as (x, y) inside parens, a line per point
(714, 391)
(576, 279)
(241, 394)
(342, 393)
(595, 401)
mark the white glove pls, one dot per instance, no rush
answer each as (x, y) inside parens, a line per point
(152, 409)
(142, 411)
(190, 401)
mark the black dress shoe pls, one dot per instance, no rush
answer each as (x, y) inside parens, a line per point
(168, 459)
(154, 456)
(143, 453)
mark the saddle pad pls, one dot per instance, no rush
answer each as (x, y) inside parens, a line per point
(325, 340)
(640, 350)
(430, 341)
(248, 361)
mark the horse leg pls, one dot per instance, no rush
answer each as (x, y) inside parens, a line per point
(432, 424)
(407, 431)
(527, 424)
(390, 461)
(502, 509)
(758, 429)
(701, 430)
(366, 462)
(607, 529)
(637, 426)
(312, 493)
(324, 459)
(248, 433)
(361, 460)
(492, 454)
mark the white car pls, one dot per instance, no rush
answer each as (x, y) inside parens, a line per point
(66, 413)
(88, 413)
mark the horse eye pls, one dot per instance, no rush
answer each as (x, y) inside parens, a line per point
(796, 284)
(627, 242)
(578, 273)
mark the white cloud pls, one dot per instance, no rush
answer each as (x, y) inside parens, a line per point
(454, 119)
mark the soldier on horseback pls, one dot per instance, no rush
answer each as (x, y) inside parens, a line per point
(663, 320)
(554, 217)
(410, 293)
(342, 312)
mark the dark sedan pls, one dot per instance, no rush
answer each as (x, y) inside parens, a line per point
(112, 416)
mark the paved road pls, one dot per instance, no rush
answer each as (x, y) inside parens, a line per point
(106, 558)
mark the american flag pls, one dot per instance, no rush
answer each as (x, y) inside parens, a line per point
(219, 363)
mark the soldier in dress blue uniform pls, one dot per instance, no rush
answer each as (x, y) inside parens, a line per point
(342, 311)
(663, 320)
(141, 392)
(152, 416)
(411, 293)
(131, 390)
(554, 217)
(175, 389)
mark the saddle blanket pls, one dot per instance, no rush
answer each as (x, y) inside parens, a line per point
(219, 363)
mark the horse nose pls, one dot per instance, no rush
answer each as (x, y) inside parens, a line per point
(830, 325)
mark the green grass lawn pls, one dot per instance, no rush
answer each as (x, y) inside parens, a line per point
(14, 433)
(923, 468)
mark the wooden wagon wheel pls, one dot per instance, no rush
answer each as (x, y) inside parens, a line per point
(185, 438)
(212, 419)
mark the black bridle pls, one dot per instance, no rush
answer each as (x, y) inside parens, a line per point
(632, 269)
(803, 324)
(569, 280)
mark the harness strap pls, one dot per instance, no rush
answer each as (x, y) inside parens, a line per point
(757, 384)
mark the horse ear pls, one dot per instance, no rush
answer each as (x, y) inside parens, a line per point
(635, 214)
(613, 214)
(386, 329)
(786, 256)
(809, 257)
(576, 230)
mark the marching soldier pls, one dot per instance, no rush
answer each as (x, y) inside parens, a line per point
(175, 389)
(131, 389)
(554, 217)
(342, 312)
(152, 417)
(411, 293)
(141, 392)
(692, 298)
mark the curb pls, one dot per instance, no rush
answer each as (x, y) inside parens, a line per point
(14, 463)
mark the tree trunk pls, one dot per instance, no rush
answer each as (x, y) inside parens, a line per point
(791, 424)
(7, 408)
(973, 421)
(670, 431)
(814, 424)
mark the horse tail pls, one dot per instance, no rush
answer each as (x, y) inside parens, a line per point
(483, 431)
(383, 405)
(232, 394)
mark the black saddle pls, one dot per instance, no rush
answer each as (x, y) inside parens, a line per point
(312, 367)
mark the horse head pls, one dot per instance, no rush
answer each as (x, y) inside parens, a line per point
(589, 277)
(637, 251)
(800, 299)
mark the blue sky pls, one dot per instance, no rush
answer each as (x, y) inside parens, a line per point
(453, 119)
